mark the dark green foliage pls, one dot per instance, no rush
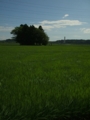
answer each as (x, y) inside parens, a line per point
(40, 28)
(30, 35)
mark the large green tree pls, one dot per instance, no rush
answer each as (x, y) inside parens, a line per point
(30, 35)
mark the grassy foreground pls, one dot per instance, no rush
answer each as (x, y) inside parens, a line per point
(45, 82)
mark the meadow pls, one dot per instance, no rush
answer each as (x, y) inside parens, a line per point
(45, 82)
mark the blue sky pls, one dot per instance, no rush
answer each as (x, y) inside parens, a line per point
(59, 18)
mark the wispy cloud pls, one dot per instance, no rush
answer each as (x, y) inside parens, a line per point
(86, 30)
(48, 25)
(5, 29)
(66, 15)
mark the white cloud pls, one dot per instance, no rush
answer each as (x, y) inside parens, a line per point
(86, 30)
(48, 25)
(62, 22)
(5, 29)
(66, 15)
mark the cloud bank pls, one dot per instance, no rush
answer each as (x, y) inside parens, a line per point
(48, 25)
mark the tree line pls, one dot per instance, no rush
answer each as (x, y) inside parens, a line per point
(73, 41)
(30, 35)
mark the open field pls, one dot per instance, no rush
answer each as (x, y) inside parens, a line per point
(45, 82)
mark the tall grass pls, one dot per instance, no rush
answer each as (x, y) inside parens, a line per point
(44, 82)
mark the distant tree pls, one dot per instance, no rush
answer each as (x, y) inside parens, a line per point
(30, 35)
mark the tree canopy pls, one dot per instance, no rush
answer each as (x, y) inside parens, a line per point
(30, 35)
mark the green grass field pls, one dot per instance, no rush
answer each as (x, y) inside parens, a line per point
(45, 82)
